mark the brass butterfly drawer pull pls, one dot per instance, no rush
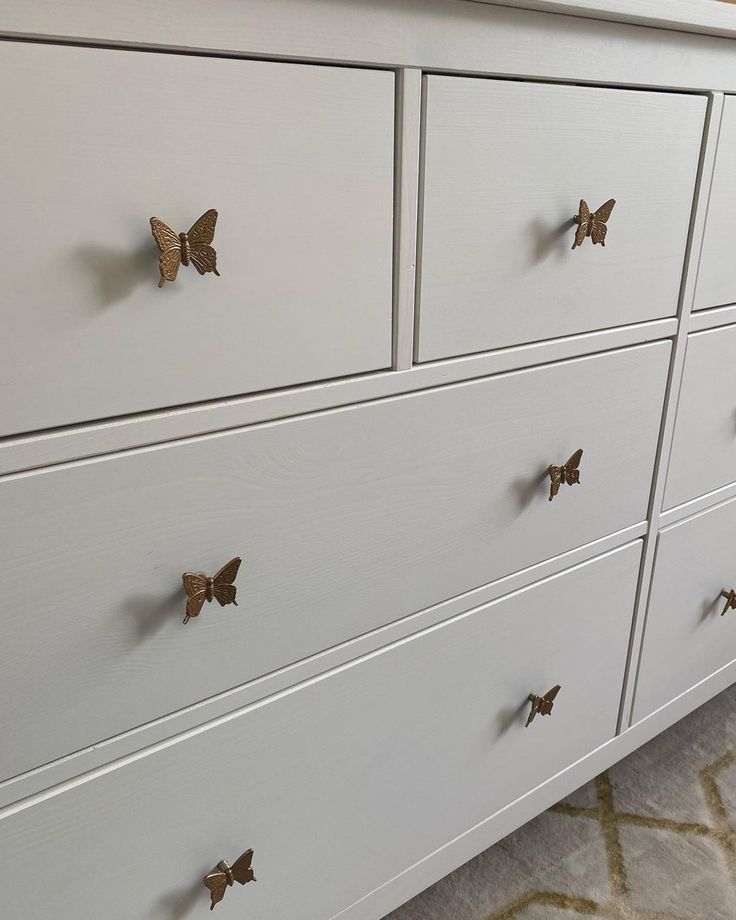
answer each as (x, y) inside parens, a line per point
(219, 587)
(194, 247)
(223, 876)
(730, 596)
(542, 705)
(592, 225)
(568, 473)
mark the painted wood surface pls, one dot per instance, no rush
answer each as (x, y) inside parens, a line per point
(299, 162)
(430, 730)
(686, 639)
(346, 521)
(703, 456)
(436, 35)
(505, 167)
(717, 275)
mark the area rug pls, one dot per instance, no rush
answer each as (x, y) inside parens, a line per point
(653, 838)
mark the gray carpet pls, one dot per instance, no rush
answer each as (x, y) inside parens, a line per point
(653, 838)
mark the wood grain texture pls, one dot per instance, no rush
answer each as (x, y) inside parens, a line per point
(299, 162)
(684, 316)
(345, 521)
(112, 749)
(703, 456)
(61, 445)
(433, 749)
(717, 275)
(444, 35)
(505, 166)
(686, 639)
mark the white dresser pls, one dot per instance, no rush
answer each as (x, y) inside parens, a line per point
(379, 405)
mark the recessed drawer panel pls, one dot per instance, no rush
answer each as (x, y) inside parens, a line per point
(344, 781)
(690, 633)
(298, 160)
(345, 521)
(703, 454)
(505, 167)
(717, 271)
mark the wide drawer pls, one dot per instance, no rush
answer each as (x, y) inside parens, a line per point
(686, 637)
(343, 782)
(297, 159)
(703, 454)
(346, 521)
(716, 284)
(505, 167)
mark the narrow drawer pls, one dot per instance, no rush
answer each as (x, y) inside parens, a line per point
(346, 521)
(343, 782)
(686, 638)
(506, 164)
(717, 271)
(703, 454)
(298, 160)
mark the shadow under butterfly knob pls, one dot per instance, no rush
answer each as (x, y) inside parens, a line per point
(224, 876)
(541, 705)
(730, 601)
(568, 473)
(219, 587)
(194, 246)
(592, 225)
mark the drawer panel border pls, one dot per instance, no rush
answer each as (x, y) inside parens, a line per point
(110, 750)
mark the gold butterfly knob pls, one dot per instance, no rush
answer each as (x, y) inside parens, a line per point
(730, 596)
(194, 246)
(541, 705)
(219, 587)
(568, 473)
(224, 876)
(592, 225)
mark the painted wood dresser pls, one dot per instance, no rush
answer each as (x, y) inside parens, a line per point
(447, 617)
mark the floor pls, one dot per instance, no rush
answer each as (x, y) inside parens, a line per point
(653, 838)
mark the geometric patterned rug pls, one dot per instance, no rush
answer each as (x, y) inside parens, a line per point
(653, 838)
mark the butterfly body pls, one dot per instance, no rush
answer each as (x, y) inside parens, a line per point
(592, 225)
(568, 473)
(193, 247)
(542, 705)
(224, 876)
(219, 587)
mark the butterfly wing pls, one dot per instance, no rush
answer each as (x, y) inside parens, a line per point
(583, 221)
(170, 246)
(556, 475)
(598, 233)
(196, 588)
(534, 700)
(194, 605)
(203, 229)
(545, 704)
(204, 258)
(193, 584)
(599, 229)
(604, 211)
(217, 884)
(241, 869)
(228, 573)
(571, 473)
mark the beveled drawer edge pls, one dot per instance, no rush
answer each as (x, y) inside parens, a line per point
(490, 830)
(35, 450)
(712, 318)
(697, 505)
(448, 35)
(106, 753)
